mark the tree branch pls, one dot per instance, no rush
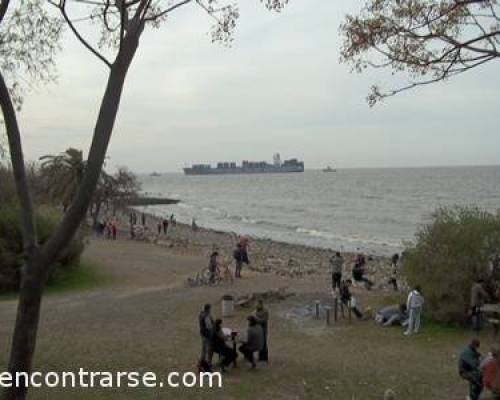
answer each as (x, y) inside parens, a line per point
(62, 7)
(168, 10)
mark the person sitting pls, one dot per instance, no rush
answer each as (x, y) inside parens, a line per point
(491, 373)
(392, 315)
(347, 299)
(358, 271)
(219, 346)
(254, 342)
(468, 368)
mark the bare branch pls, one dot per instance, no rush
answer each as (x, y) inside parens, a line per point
(62, 7)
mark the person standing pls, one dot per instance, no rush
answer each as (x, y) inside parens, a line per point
(143, 219)
(414, 305)
(491, 373)
(394, 271)
(165, 226)
(469, 368)
(336, 266)
(206, 324)
(114, 230)
(477, 297)
(244, 249)
(262, 315)
(238, 258)
(213, 267)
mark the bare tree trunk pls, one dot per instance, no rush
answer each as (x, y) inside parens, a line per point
(39, 261)
(27, 318)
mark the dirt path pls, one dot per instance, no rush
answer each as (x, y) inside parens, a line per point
(146, 320)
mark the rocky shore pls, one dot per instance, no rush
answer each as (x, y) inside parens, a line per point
(266, 256)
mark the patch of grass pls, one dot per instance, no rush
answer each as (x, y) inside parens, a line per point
(86, 276)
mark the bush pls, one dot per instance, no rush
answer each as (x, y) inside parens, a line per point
(455, 248)
(11, 246)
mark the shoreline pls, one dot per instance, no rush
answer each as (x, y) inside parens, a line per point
(266, 255)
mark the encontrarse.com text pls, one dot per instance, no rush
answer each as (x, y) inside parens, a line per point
(94, 379)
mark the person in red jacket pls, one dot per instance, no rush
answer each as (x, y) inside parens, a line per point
(491, 373)
(114, 230)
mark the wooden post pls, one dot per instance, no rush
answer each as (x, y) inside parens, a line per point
(316, 305)
(327, 309)
(335, 308)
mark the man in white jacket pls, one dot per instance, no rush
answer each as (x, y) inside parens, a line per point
(414, 305)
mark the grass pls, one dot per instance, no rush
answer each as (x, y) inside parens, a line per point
(85, 276)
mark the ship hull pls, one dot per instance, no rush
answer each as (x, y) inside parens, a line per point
(240, 170)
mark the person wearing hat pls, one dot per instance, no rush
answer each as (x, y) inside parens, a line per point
(254, 341)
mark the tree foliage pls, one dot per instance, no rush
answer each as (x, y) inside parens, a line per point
(455, 248)
(11, 246)
(430, 40)
(61, 174)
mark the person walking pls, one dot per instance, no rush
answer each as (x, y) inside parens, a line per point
(347, 299)
(414, 306)
(336, 267)
(206, 324)
(477, 298)
(469, 368)
(262, 315)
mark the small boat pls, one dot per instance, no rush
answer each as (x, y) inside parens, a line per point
(329, 169)
(154, 174)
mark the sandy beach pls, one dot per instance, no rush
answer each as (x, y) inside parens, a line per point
(266, 255)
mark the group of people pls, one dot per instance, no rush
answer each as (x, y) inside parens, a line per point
(240, 256)
(162, 226)
(481, 373)
(107, 229)
(408, 314)
(215, 338)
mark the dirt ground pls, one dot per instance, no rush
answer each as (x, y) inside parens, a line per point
(145, 319)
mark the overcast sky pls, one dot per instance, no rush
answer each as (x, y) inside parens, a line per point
(280, 88)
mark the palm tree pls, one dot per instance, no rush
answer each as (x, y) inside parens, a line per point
(62, 174)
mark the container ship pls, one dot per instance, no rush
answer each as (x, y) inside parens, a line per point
(248, 167)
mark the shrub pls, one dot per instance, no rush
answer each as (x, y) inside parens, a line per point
(455, 248)
(11, 246)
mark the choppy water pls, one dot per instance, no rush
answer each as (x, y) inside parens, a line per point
(374, 210)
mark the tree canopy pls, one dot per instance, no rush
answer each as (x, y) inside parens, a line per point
(430, 40)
